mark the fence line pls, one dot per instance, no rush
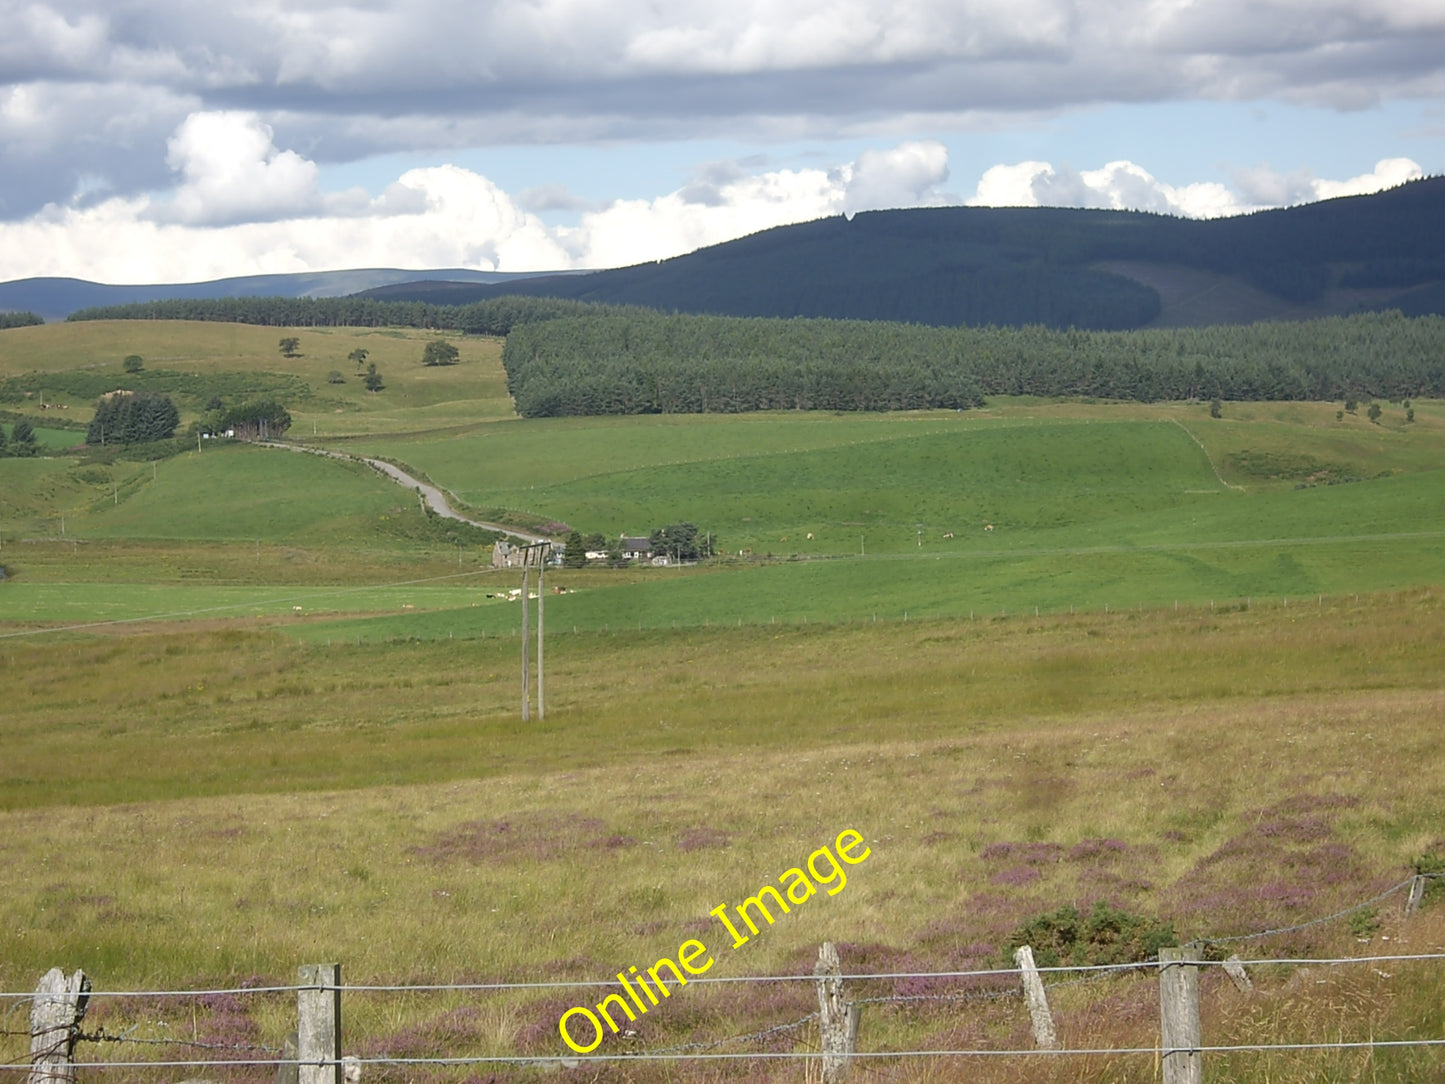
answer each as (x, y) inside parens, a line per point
(697, 1050)
(58, 1007)
(439, 987)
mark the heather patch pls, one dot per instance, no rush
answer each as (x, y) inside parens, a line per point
(1097, 850)
(437, 1037)
(1015, 876)
(1286, 865)
(701, 839)
(542, 836)
(1033, 854)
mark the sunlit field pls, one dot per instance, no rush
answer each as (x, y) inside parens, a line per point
(260, 710)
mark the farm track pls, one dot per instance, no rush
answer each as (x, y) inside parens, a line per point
(435, 499)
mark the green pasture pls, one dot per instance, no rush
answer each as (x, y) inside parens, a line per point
(881, 480)
(1090, 504)
(81, 603)
(870, 483)
(981, 586)
(226, 491)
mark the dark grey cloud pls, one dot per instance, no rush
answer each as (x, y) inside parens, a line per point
(91, 90)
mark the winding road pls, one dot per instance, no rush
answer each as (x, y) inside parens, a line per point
(434, 498)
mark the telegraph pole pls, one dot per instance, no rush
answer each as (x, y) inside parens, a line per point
(535, 554)
(526, 645)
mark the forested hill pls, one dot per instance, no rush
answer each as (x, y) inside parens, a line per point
(641, 362)
(1056, 267)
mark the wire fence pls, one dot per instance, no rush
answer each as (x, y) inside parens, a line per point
(989, 985)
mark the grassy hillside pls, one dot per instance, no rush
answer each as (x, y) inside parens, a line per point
(69, 365)
(260, 711)
(1091, 504)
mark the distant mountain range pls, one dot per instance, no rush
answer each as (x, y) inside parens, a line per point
(57, 298)
(959, 265)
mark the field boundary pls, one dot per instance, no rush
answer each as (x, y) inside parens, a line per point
(314, 1050)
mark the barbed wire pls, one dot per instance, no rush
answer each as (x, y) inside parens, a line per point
(753, 1037)
(1091, 971)
(100, 1036)
(1406, 883)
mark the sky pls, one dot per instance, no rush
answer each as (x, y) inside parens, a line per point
(169, 140)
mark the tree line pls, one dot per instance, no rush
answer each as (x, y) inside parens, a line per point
(641, 362)
(497, 316)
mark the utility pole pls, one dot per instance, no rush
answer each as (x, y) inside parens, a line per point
(526, 646)
(534, 554)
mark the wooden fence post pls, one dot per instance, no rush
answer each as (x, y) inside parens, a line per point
(837, 1016)
(318, 1024)
(1179, 1015)
(55, 1016)
(1038, 1001)
(1234, 968)
(1417, 894)
(287, 1072)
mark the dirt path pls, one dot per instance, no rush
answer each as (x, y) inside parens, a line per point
(434, 498)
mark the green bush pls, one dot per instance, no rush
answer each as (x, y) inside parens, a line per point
(1105, 935)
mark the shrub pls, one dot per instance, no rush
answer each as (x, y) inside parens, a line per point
(1105, 935)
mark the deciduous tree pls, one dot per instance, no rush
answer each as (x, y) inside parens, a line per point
(440, 352)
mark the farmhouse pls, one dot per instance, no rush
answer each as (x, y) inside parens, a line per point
(636, 548)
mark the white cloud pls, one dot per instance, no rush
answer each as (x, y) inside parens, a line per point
(234, 173)
(1387, 173)
(1126, 186)
(904, 176)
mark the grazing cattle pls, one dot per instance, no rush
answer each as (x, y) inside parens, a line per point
(947, 534)
(988, 526)
(810, 536)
